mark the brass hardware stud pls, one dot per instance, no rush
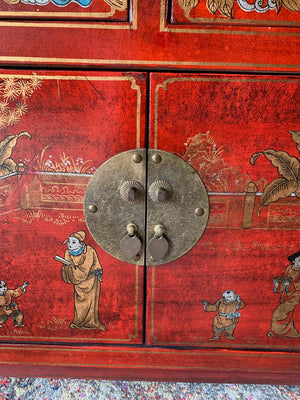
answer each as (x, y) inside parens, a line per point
(156, 158)
(137, 158)
(93, 208)
(199, 211)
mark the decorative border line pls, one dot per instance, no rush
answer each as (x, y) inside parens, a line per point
(119, 62)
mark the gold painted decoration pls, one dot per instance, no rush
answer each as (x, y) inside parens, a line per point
(206, 155)
(288, 285)
(188, 5)
(14, 93)
(288, 167)
(118, 4)
(225, 7)
(7, 164)
(292, 5)
(64, 163)
(212, 6)
(13, 2)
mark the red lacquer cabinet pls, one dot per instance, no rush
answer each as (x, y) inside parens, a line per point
(149, 189)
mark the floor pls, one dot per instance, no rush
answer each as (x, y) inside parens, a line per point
(67, 389)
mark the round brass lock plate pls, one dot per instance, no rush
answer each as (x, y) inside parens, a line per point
(117, 197)
(114, 198)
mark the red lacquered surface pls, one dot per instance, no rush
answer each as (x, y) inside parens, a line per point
(152, 37)
(217, 123)
(68, 124)
(159, 364)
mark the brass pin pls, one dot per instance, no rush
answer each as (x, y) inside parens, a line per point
(93, 208)
(137, 158)
(199, 211)
(156, 158)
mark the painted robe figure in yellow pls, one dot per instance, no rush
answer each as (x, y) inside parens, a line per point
(282, 324)
(85, 273)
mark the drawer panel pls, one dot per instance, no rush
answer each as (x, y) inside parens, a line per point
(142, 34)
(240, 12)
(102, 10)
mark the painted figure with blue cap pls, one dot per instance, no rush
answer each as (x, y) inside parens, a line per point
(228, 316)
(82, 268)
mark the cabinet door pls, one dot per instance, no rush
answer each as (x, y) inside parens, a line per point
(181, 34)
(238, 288)
(56, 129)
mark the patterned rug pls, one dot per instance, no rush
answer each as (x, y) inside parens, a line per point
(67, 389)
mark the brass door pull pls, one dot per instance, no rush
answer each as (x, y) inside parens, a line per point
(131, 244)
(160, 191)
(158, 246)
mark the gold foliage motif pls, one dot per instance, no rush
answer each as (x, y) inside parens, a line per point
(188, 5)
(120, 5)
(55, 324)
(278, 5)
(279, 188)
(289, 169)
(204, 154)
(225, 7)
(65, 164)
(287, 166)
(292, 5)
(14, 93)
(296, 138)
(212, 5)
(12, 2)
(7, 164)
(61, 219)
